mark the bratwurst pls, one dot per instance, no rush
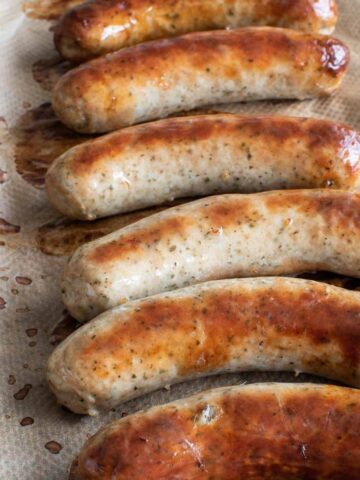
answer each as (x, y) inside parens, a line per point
(150, 164)
(272, 233)
(221, 326)
(101, 26)
(258, 432)
(163, 77)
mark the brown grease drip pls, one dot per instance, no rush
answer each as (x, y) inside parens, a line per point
(11, 380)
(22, 310)
(7, 227)
(31, 332)
(39, 138)
(63, 329)
(47, 72)
(23, 392)
(3, 176)
(23, 280)
(48, 9)
(53, 447)
(26, 421)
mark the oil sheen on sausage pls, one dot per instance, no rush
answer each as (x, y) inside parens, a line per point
(163, 77)
(102, 26)
(222, 326)
(150, 164)
(272, 233)
(259, 432)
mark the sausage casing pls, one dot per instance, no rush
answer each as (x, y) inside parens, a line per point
(226, 325)
(162, 77)
(272, 233)
(150, 164)
(260, 431)
(102, 26)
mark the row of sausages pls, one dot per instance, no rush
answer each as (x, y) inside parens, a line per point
(196, 289)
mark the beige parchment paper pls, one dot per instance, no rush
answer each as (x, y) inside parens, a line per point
(39, 438)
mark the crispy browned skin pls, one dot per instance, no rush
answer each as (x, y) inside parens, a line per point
(257, 432)
(233, 314)
(161, 77)
(215, 327)
(102, 26)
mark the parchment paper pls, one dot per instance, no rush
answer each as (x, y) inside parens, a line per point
(39, 438)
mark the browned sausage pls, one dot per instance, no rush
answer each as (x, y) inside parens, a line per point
(150, 164)
(257, 432)
(227, 325)
(162, 77)
(101, 26)
(272, 233)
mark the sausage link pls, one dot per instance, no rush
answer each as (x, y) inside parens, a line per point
(162, 77)
(223, 326)
(258, 432)
(150, 164)
(273, 233)
(101, 26)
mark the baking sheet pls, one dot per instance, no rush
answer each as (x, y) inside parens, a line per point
(38, 437)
